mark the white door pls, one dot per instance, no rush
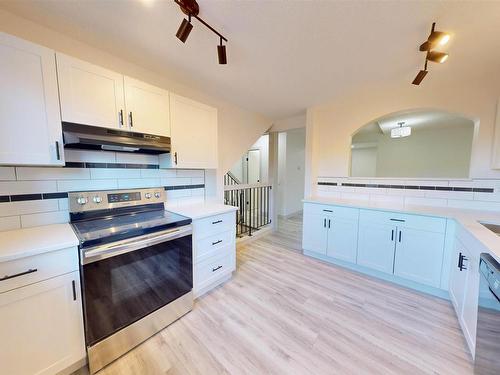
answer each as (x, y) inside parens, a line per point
(193, 129)
(376, 246)
(30, 123)
(342, 239)
(458, 278)
(419, 256)
(41, 327)
(315, 233)
(148, 108)
(90, 94)
(253, 166)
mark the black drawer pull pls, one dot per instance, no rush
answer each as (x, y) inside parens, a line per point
(400, 220)
(216, 242)
(73, 285)
(217, 222)
(7, 277)
(327, 210)
(216, 268)
(461, 259)
(392, 235)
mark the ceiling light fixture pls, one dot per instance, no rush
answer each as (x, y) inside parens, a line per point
(401, 131)
(435, 38)
(192, 9)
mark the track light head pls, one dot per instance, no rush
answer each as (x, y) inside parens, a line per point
(437, 57)
(420, 77)
(221, 52)
(184, 30)
(436, 38)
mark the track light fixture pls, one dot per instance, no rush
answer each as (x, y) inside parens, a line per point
(436, 38)
(192, 9)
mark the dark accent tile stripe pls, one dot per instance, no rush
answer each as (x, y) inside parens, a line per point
(4, 198)
(110, 165)
(183, 187)
(54, 195)
(413, 187)
(25, 197)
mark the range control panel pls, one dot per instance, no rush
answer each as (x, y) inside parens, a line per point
(98, 200)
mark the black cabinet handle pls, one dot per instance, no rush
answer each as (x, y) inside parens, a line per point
(392, 235)
(7, 277)
(461, 259)
(175, 158)
(216, 268)
(120, 118)
(73, 285)
(327, 210)
(217, 222)
(324, 223)
(216, 242)
(400, 220)
(131, 119)
(329, 223)
(399, 236)
(58, 153)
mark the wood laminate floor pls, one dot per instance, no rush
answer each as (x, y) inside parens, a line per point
(284, 313)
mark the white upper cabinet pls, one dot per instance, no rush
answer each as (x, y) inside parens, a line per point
(30, 123)
(193, 127)
(147, 108)
(90, 95)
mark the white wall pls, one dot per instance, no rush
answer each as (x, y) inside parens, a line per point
(238, 127)
(331, 125)
(291, 162)
(239, 168)
(364, 161)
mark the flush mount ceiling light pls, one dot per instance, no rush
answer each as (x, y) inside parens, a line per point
(192, 9)
(436, 38)
(401, 131)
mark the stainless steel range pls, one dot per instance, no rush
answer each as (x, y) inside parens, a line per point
(136, 268)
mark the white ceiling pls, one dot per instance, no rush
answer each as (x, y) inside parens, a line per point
(283, 55)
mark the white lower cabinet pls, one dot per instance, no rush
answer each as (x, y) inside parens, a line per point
(464, 286)
(41, 327)
(407, 246)
(214, 251)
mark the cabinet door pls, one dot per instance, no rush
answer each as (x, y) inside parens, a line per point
(90, 95)
(469, 313)
(376, 246)
(30, 124)
(342, 239)
(315, 232)
(147, 108)
(458, 279)
(419, 256)
(42, 327)
(193, 127)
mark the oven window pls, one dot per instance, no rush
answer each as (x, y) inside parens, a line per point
(121, 290)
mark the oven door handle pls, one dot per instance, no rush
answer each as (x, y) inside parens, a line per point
(122, 247)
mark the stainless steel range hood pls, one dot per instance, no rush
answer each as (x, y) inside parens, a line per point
(97, 138)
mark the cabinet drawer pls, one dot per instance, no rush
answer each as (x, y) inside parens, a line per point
(209, 246)
(214, 224)
(336, 211)
(214, 266)
(426, 223)
(37, 268)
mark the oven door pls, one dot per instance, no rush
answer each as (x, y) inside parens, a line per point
(127, 280)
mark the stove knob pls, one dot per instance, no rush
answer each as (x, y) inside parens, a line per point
(97, 199)
(147, 195)
(157, 194)
(81, 200)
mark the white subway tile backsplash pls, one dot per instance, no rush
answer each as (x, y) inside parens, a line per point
(116, 173)
(174, 181)
(130, 158)
(464, 195)
(191, 173)
(135, 183)
(63, 204)
(7, 173)
(26, 187)
(197, 192)
(197, 181)
(45, 218)
(425, 201)
(175, 194)
(89, 156)
(28, 207)
(82, 185)
(27, 173)
(474, 205)
(9, 223)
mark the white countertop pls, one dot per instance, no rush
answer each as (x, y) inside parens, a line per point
(200, 210)
(21, 243)
(468, 219)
